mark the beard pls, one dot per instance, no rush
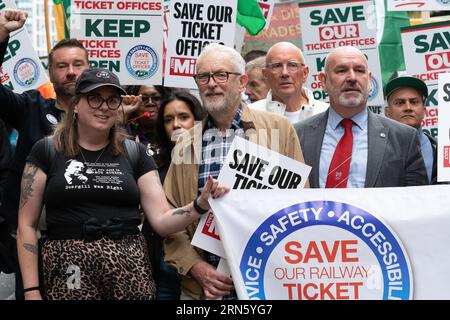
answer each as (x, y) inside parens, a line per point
(355, 100)
(64, 90)
(221, 103)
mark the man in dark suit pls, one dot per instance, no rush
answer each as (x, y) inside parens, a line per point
(348, 146)
(406, 104)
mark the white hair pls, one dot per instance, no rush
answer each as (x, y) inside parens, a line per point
(258, 63)
(217, 49)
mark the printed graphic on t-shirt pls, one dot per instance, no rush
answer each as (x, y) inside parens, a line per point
(74, 173)
(87, 175)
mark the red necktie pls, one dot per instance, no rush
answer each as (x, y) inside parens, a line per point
(340, 164)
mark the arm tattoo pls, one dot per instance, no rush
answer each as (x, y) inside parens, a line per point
(181, 212)
(26, 188)
(30, 247)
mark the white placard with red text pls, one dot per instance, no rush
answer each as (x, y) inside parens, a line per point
(337, 244)
(21, 70)
(427, 54)
(250, 166)
(125, 37)
(418, 5)
(443, 158)
(327, 25)
(192, 25)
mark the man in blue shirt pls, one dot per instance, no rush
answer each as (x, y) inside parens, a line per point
(406, 104)
(382, 152)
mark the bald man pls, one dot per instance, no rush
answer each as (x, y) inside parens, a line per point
(286, 74)
(350, 147)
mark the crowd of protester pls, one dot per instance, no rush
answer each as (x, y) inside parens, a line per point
(130, 237)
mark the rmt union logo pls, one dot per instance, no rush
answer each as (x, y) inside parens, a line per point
(102, 74)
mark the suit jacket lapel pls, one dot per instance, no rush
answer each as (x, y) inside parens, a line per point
(377, 140)
(314, 139)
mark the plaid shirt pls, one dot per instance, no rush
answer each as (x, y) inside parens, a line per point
(215, 148)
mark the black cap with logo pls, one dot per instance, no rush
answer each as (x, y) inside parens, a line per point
(94, 78)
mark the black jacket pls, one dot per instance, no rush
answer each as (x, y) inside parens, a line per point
(33, 117)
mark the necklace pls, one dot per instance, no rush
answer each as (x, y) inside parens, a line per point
(89, 170)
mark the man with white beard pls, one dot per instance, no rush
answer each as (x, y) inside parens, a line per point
(220, 77)
(350, 147)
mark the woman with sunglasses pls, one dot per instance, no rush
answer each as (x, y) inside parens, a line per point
(141, 110)
(94, 248)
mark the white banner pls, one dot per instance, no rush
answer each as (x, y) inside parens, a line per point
(427, 54)
(337, 244)
(250, 166)
(332, 24)
(125, 37)
(443, 164)
(21, 70)
(418, 5)
(192, 25)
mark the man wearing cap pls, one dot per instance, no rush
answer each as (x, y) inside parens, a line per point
(30, 113)
(350, 147)
(406, 104)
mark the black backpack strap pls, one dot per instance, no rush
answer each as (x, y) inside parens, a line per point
(132, 153)
(50, 151)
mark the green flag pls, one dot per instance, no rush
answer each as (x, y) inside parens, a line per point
(390, 46)
(250, 16)
(62, 17)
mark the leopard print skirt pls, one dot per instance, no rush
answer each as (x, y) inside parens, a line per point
(100, 270)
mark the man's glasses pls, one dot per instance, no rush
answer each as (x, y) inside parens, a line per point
(292, 66)
(218, 77)
(95, 101)
(150, 99)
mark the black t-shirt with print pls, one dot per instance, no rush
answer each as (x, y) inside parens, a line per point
(92, 184)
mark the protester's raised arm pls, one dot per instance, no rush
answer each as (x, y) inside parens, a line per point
(11, 20)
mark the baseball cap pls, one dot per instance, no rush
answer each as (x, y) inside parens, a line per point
(94, 78)
(405, 82)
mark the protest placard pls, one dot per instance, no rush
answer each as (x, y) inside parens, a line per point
(427, 54)
(21, 70)
(193, 25)
(327, 25)
(443, 158)
(250, 166)
(125, 37)
(418, 5)
(337, 244)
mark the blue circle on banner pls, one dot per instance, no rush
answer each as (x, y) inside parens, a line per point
(142, 62)
(443, 2)
(375, 87)
(396, 275)
(26, 72)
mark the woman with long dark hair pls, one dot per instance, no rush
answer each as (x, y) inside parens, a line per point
(177, 113)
